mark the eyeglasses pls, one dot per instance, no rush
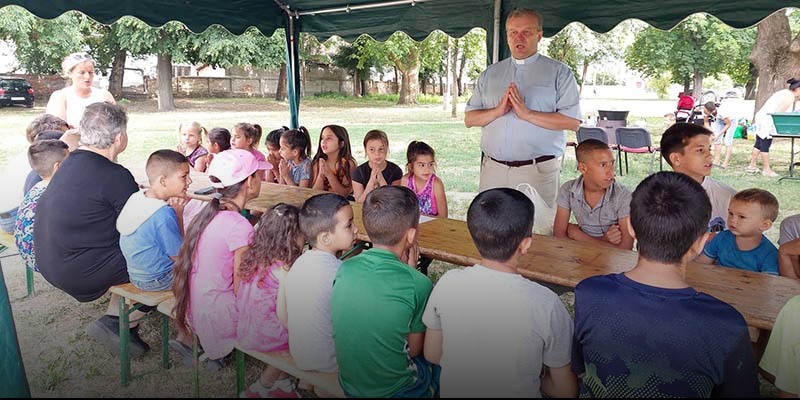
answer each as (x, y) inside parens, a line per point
(80, 56)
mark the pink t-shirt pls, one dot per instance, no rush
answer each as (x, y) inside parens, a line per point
(259, 327)
(212, 305)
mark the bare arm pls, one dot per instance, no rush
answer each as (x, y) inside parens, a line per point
(283, 316)
(433, 345)
(358, 192)
(704, 259)
(559, 382)
(441, 198)
(57, 105)
(201, 164)
(627, 239)
(108, 97)
(789, 259)
(319, 178)
(561, 222)
(416, 341)
(575, 232)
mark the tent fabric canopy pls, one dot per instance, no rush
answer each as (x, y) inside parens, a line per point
(454, 17)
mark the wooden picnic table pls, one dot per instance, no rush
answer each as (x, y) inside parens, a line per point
(759, 297)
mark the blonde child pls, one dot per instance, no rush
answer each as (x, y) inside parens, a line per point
(744, 246)
(327, 222)
(600, 204)
(295, 167)
(45, 156)
(217, 239)
(421, 174)
(273, 143)
(262, 309)
(219, 140)
(191, 145)
(333, 164)
(377, 171)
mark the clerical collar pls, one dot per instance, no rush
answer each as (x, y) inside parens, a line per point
(526, 60)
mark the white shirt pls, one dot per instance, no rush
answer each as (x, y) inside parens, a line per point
(720, 196)
(309, 285)
(75, 105)
(497, 330)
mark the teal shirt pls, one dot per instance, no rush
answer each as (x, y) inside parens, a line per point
(377, 301)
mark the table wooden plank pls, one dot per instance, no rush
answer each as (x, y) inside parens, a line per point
(759, 297)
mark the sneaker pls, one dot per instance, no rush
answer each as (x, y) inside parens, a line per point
(276, 391)
(751, 170)
(770, 174)
(255, 391)
(186, 352)
(106, 331)
(215, 365)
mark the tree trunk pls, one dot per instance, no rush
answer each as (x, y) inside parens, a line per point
(686, 85)
(356, 84)
(448, 70)
(166, 102)
(461, 72)
(117, 74)
(750, 87)
(775, 55)
(409, 87)
(454, 84)
(280, 91)
(364, 89)
(583, 75)
(698, 85)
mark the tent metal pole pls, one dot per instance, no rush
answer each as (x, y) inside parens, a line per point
(349, 8)
(496, 40)
(292, 72)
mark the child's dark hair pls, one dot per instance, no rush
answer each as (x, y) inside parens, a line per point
(182, 269)
(767, 201)
(220, 136)
(669, 211)
(345, 152)
(45, 122)
(793, 83)
(418, 148)
(251, 131)
(298, 139)
(44, 154)
(274, 137)
(677, 136)
(275, 240)
(163, 162)
(388, 212)
(318, 215)
(587, 147)
(376, 134)
(498, 220)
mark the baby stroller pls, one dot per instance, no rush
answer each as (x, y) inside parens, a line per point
(687, 110)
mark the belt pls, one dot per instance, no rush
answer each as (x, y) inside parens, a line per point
(523, 163)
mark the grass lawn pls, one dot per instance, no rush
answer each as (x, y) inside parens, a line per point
(61, 361)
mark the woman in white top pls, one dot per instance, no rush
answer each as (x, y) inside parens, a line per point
(69, 103)
(780, 101)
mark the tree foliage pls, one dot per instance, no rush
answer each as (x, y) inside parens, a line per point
(41, 44)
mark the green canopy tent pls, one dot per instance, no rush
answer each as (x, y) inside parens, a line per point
(379, 19)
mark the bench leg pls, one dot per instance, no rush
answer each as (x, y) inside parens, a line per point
(124, 342)
(164, 341)
(239, 372)
(29, 282)
(196, 378)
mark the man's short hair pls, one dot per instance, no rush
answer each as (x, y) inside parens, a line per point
(101, 124)
(677, 136)
(526, 12)
(767, 201)
(710, 106)
(318, 215)
(589, 146)
(44, 154)
(389, 212)
(163, 162)
(376, 134)
(45, 122)
(669, 211)
(498, 220)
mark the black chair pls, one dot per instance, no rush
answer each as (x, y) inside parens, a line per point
(587, 132)
(635, 140)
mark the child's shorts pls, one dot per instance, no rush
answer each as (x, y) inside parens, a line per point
(724, 138)
(160, 284)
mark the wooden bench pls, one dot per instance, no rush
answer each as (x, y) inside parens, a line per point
(327, 381)
(131, 299)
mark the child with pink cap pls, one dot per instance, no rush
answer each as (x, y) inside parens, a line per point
(213, 246)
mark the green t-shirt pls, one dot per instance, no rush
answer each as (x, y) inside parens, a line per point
(377, 301)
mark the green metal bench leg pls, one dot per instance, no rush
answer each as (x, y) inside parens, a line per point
(164, 341)
(239, 372)
(29, 281)
(124, 342)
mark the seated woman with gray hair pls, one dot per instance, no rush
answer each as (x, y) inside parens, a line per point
(75, 234)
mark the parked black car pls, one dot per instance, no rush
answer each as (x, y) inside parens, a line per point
(15, 91)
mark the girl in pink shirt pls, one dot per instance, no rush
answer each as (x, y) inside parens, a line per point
(216, 241)
(262, 311)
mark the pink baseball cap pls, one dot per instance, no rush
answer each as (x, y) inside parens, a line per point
(233, 166)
